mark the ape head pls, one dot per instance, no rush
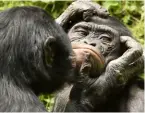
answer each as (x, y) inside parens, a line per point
(34, 51)
(102, 34)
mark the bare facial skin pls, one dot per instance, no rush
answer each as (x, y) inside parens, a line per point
(87, 55)
(93, 45)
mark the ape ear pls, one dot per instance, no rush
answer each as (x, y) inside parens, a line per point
(49, 50)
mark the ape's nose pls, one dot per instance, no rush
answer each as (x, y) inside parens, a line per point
(89, 43)
(93, 44)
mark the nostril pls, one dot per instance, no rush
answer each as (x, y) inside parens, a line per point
(85, 42)
(93, 44)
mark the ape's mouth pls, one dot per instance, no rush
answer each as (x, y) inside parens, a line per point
(96, 59)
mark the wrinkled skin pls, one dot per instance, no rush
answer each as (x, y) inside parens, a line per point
(116, 88)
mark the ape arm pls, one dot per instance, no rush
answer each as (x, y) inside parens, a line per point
(78, 11)
(89, 94)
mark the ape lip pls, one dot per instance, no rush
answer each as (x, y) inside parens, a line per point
(89, 49)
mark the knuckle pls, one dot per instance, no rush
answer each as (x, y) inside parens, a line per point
(111, 66)
(138, 51)
(112, 63)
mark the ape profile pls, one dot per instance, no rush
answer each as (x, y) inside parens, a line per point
(35, 57)
(116, 88)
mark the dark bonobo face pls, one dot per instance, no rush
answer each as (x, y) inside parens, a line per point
(102, 38)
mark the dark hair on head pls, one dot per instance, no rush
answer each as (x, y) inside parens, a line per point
(23, 30)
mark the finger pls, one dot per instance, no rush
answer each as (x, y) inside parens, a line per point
(131, 70)
(137, 66)
(130, 42)
(99, 10)
(134, 50)
(94, 7)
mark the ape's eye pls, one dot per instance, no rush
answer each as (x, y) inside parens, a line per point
(81, 31)
(105, 38)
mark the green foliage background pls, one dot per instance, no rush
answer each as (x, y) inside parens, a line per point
(131, 13)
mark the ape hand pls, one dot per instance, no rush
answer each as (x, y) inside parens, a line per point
(78, 11)
(81, 6)
(129, 63)
(93, 92)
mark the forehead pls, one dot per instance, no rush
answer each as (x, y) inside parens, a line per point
(91, 26)
(113, 23)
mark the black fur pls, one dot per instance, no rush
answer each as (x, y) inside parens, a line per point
(25, 69)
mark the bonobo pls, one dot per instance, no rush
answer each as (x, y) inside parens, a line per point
(115, 88)
(35, 57)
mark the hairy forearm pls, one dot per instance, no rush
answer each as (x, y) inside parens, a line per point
(65, 17)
